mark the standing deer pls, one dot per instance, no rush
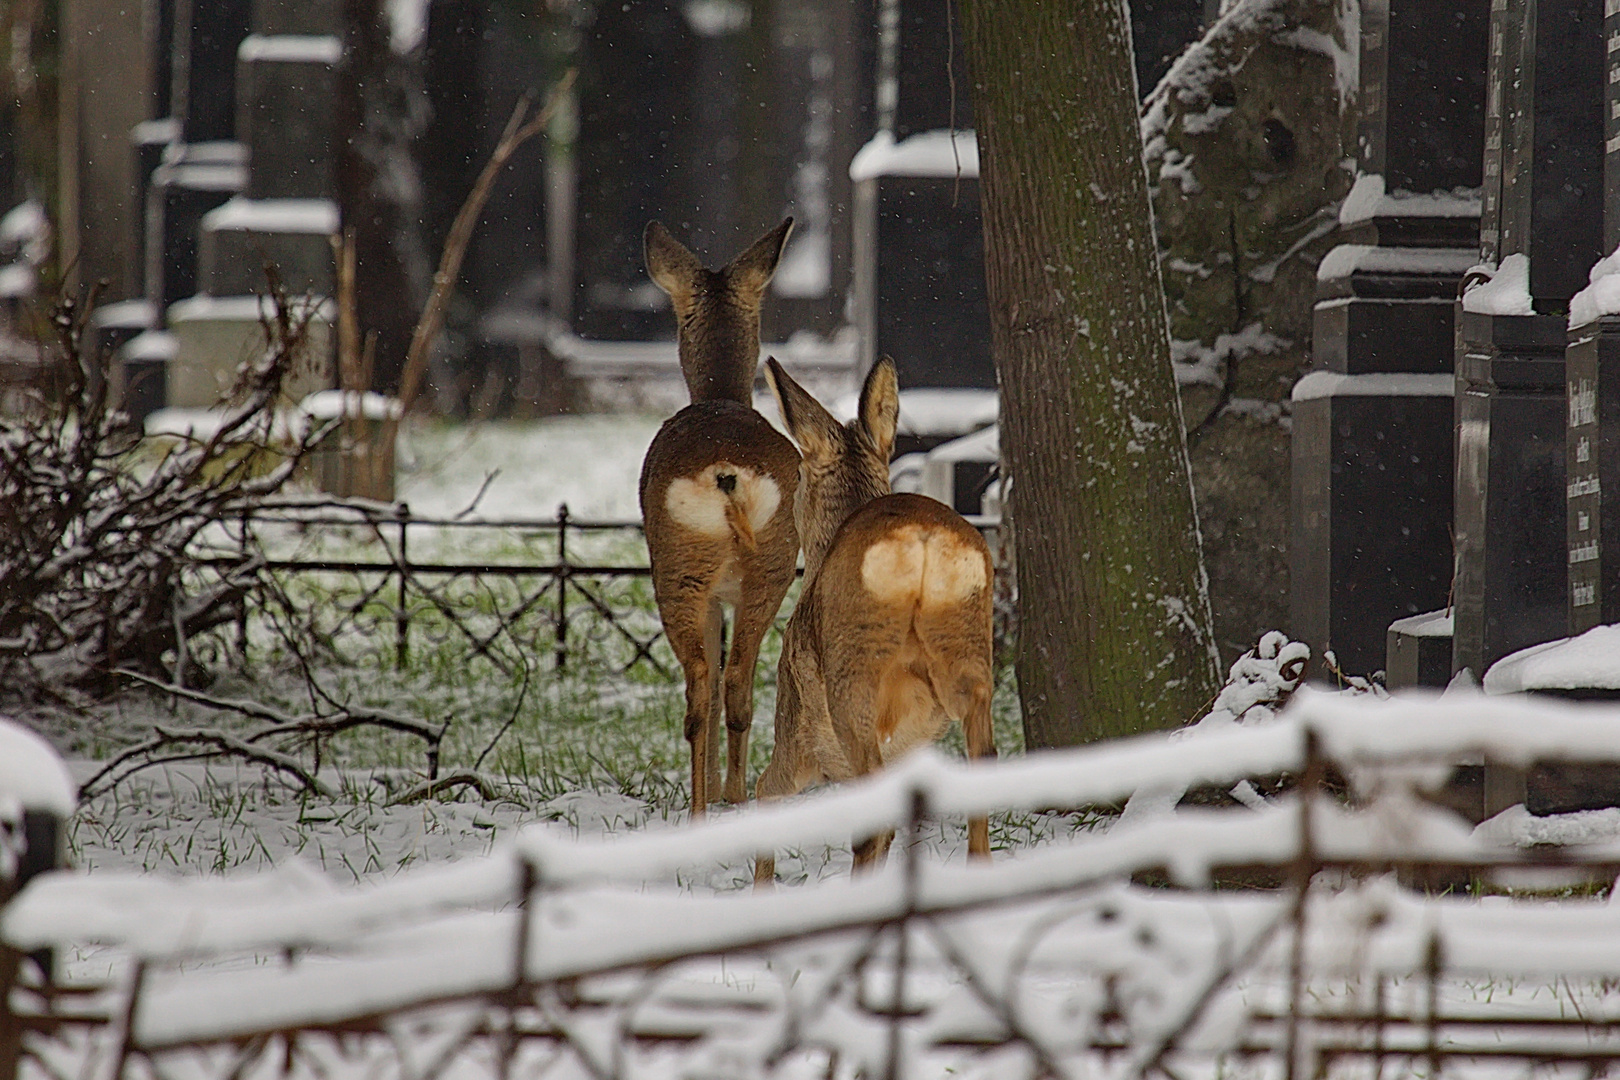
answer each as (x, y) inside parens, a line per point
(717, 491)
(891, 638)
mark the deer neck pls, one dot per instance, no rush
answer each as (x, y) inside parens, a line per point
(720, 357)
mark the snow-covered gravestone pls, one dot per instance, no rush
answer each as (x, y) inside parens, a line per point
(36, 796)
(1372, 425)
(1592, 446)
(285, 214)
(1541, 231)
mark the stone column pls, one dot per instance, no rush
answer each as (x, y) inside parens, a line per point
(1372, 426)
(1542, 231)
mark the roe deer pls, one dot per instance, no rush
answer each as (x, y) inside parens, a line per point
(891, 638)
(717, 492)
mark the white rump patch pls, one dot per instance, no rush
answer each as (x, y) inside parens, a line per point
(698, 503)
(934, 569)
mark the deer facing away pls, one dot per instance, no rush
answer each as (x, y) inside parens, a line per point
(891, 638)
(717, 492)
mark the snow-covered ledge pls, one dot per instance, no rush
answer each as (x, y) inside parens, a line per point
(1588, 662)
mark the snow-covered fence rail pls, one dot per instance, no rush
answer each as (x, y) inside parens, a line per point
(560, 585)
(556, 957)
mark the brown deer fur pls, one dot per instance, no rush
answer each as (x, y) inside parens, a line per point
(891, 638)
(717, 489)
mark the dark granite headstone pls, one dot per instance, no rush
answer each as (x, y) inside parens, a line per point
(207, 34)
(1510, 526)
(1593, 358)
(285, 88)
(932, 315)
(1543, 201)
(1385, 313)
(1372, 457)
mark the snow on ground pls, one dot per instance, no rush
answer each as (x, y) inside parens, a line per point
(591, 463)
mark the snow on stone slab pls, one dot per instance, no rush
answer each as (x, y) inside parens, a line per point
(1323, 384)
(332, 404)
(1368, 200)
(1506, 293)
(17, 280)
(1517, 827)
(124, 314)
(1347, 259)
(255, 308)
(32, 773)
(152, 345)
(1601, 296)
(937, 154)
(290, 48)
(1428, 624)
(1590, 661)
(933, 411)
(316, 216)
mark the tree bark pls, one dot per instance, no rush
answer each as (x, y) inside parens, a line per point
(1114, 622)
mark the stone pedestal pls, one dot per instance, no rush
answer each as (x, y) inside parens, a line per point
(1372, 456)
(294, 234)
(1510, 525)
(143, 373)
(213, 337)
(1418, 651)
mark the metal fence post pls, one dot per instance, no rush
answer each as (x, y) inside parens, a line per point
(562, 586)
(402, 622)
(918, 812)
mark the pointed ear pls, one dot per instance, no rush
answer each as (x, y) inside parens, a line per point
(672, 268)
(812, 427)
(751, 271)
(880, 406)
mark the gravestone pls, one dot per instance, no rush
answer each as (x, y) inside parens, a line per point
(1372, 427)
(1542, 228)
(1592, 446)
(194, 179)
(919, 255)
(638, 68)
(207, 35)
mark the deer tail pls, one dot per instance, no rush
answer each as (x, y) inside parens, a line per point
(736, 516)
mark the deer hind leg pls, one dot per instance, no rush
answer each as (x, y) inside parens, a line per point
(853, 703)
(754, 615)
(693, 630)
(959, 668)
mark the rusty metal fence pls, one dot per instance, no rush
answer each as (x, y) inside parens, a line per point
(564, 587)
(1350, 928)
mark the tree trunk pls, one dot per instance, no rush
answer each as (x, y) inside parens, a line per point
(1114, 623)
(377, 186)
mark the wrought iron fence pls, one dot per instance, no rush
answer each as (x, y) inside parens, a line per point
(556, 959)
(564, 587)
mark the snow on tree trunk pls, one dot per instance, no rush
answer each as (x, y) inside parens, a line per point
(1114, 626)
(1247, 140)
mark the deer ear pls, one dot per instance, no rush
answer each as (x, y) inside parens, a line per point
(672, 268)
(811, 426)
(880, 406)
(751, 271)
